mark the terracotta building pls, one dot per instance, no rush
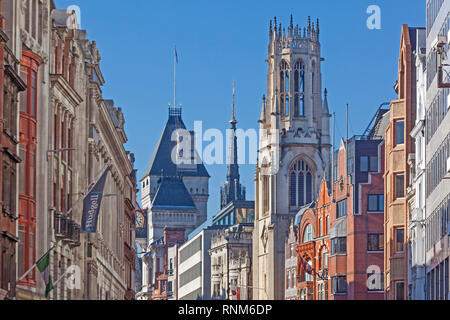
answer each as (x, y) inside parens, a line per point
(313, 248)
(399, 145)
(11, 85)
(340, 237)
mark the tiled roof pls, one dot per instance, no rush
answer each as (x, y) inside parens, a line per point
(172, 194)
(161, 161)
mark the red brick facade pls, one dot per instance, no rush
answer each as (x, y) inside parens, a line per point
(399, 144)
(346, 252)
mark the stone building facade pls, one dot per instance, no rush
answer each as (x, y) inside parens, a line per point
(290, 264)
(231, 253)
(12, 84)
(175, 192)
(416, 188)
(294, 148)
(66, 134)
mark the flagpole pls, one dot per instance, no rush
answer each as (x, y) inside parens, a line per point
(175, 79)
(89, 189)
(62, 277)
(34, 265)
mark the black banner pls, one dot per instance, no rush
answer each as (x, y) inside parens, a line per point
(91, 205)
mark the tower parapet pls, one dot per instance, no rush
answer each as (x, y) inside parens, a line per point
(293, 38)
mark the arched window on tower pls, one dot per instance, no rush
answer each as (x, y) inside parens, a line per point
(284, 87)
(293, 188)
(299, 89)
(301, 182)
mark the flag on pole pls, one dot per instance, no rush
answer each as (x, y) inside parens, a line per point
(306, 266)
(91, 205)
(176, 54)
(43, 266)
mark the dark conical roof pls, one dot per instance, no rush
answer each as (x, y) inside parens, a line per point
(172, 194)
(161, 161)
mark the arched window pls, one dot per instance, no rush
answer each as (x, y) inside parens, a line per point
(284, 87)
(320, 227)
(309, 277)
(300, 184)
(308, 235)
(325, 259)
(299, 89)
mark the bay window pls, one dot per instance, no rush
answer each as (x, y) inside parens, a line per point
(27, 169)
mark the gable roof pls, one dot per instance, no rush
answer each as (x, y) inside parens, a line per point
(172, 194)
(161, 162)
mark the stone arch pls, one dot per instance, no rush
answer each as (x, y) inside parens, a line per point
(308, 218)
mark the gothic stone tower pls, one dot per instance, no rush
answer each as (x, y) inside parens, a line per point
(294, 150)
(194, 175)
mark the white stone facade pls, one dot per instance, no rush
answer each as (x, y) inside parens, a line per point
(416, 232)
(231, 253)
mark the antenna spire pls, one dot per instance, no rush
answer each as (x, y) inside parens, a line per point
(175, 77)
(233, 120)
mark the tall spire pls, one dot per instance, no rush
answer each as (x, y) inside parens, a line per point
(232, 190)
(309, 27)
(291, 26)
(233, 119)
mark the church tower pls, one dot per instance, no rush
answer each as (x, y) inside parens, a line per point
(294, 148)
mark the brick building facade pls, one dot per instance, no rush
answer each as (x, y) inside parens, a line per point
(340, 237)
(399, 145)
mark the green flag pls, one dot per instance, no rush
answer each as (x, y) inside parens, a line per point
(43, 266)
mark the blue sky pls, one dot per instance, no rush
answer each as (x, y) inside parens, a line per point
(222, 41)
